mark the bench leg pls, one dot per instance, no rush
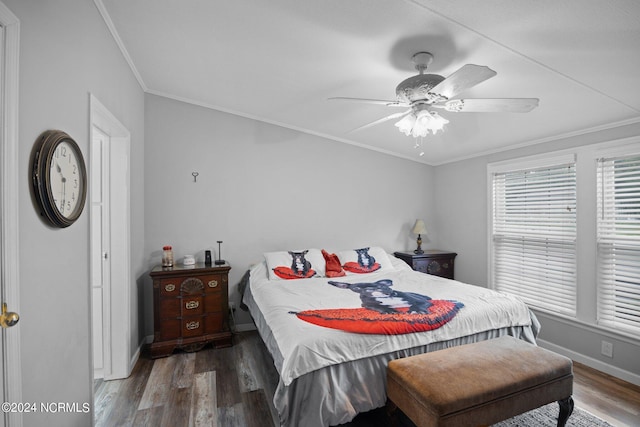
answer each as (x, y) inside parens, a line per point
(566, 408)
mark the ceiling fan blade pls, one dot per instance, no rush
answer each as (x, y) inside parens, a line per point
(382, 120)
(494, 105)
(370, 101)
(466, 77)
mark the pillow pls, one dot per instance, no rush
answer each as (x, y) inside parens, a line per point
(332, 265)
(365, 260)
(299, 264)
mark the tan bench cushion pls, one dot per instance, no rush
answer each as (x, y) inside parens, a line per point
(503, 374)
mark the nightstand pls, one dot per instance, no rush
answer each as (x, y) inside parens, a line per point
(432, 261)
(190, 308)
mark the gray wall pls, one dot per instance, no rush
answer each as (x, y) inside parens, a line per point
(265, 188)
(66, 52)
(462, 220)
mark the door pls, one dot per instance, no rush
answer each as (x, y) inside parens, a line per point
(11, 371)
(111, 283)
(100, 251)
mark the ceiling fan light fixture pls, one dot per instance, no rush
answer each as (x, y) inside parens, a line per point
(420, 123)
(405, 125)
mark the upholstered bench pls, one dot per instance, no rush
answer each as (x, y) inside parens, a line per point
(480, 383)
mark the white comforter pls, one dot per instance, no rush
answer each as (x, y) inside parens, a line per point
(303, 347)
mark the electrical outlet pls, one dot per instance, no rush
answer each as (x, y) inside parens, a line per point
(607, 349)
(232, 306)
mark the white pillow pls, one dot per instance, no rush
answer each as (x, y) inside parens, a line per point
(298, 264)
(365, 260)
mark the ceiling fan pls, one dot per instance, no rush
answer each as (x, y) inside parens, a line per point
(424, 93)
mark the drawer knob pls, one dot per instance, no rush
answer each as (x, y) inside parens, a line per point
(170, 287)
(193, 325)
(190, 305)
(213, 283)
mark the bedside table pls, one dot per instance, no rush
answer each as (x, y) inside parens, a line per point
(190, 308)
(432, 261)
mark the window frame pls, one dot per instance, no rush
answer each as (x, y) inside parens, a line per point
(544, 161)
(609, 320)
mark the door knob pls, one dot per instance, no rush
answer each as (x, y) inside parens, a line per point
(9, 319)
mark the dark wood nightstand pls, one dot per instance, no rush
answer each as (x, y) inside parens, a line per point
(432, 261)
(190, 308)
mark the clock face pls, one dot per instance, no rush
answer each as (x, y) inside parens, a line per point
(59, 178)
(65, 179)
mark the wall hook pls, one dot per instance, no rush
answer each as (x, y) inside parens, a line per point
(195, 176)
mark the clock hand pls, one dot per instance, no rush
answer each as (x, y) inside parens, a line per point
(59, 169)
(64, 182)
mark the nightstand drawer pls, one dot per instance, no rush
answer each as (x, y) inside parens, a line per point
(170, 287)
(192, 326)
(192, 305)
(214, 283)
(420, 265)
(434, 262)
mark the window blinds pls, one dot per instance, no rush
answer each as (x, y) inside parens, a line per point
(619, 243)
(534, 236)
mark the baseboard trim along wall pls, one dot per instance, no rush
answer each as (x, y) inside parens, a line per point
(591, 362)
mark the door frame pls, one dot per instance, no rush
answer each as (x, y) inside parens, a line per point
(12, 369)
(116, 300)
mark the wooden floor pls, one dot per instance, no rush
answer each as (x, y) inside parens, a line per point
(234, 387)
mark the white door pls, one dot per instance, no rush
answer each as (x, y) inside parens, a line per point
(11, 371)
(111, 285)
(100, 251)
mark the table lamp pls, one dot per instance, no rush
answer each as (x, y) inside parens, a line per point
(419, 228)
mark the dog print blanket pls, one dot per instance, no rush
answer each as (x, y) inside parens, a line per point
(384, 311)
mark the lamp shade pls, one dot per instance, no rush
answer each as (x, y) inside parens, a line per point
(419, 227)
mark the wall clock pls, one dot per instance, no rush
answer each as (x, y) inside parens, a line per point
(59, 178)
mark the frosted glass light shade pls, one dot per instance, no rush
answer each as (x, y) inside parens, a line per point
(420, 123)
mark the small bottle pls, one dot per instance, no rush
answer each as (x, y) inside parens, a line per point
(167, 256)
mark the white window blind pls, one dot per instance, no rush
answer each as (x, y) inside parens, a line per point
(534, 236)
(619, 243)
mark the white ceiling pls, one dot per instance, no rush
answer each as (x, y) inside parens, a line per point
(279, 60)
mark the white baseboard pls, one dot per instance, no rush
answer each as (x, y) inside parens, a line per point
(98, 374)
(134, 358)
(592, 363)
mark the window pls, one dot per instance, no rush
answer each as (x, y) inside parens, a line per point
(619, 243)
(533, 241)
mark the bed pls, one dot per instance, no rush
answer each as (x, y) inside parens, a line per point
(328, 375)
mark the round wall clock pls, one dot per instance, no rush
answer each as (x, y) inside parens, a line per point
(59, 178)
